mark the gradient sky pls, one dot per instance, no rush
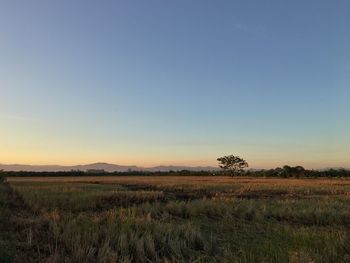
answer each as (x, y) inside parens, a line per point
(175, 82)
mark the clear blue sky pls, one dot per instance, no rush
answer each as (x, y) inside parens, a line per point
(175, 82)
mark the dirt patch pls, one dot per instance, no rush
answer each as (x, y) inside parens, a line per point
(174, 193)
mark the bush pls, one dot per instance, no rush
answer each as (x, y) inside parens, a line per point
(2, 176)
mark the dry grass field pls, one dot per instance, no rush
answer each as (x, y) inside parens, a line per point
(176, 219)
(186, 180)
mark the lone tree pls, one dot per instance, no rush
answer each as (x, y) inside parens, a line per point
(234, 165)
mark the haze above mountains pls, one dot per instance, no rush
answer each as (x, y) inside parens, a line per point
(100, 166)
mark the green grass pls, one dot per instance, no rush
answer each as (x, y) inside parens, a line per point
(187, 223)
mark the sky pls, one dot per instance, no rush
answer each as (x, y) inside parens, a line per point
(175, 82)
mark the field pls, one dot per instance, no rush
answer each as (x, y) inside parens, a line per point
(174, 219)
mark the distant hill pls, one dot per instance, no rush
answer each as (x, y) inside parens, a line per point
(100, 166)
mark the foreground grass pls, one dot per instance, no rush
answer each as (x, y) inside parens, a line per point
(240, 222)
(7, 242)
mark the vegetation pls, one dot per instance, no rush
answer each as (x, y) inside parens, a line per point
(234, 165)
(285, 171)
(299, 172)
(6, 238)
(193, 219)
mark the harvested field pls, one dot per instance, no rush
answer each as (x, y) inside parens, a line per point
(184, 180)
(184, 219)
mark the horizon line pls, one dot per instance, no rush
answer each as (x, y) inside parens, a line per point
(170, 165)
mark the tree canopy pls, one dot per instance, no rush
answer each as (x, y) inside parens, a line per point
(232, 164)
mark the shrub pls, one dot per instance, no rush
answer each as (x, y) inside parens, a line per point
(2, 176)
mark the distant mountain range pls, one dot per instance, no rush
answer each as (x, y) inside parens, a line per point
(100, 166)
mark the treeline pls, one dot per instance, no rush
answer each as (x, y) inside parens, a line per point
(298, 172)
(284, 172)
